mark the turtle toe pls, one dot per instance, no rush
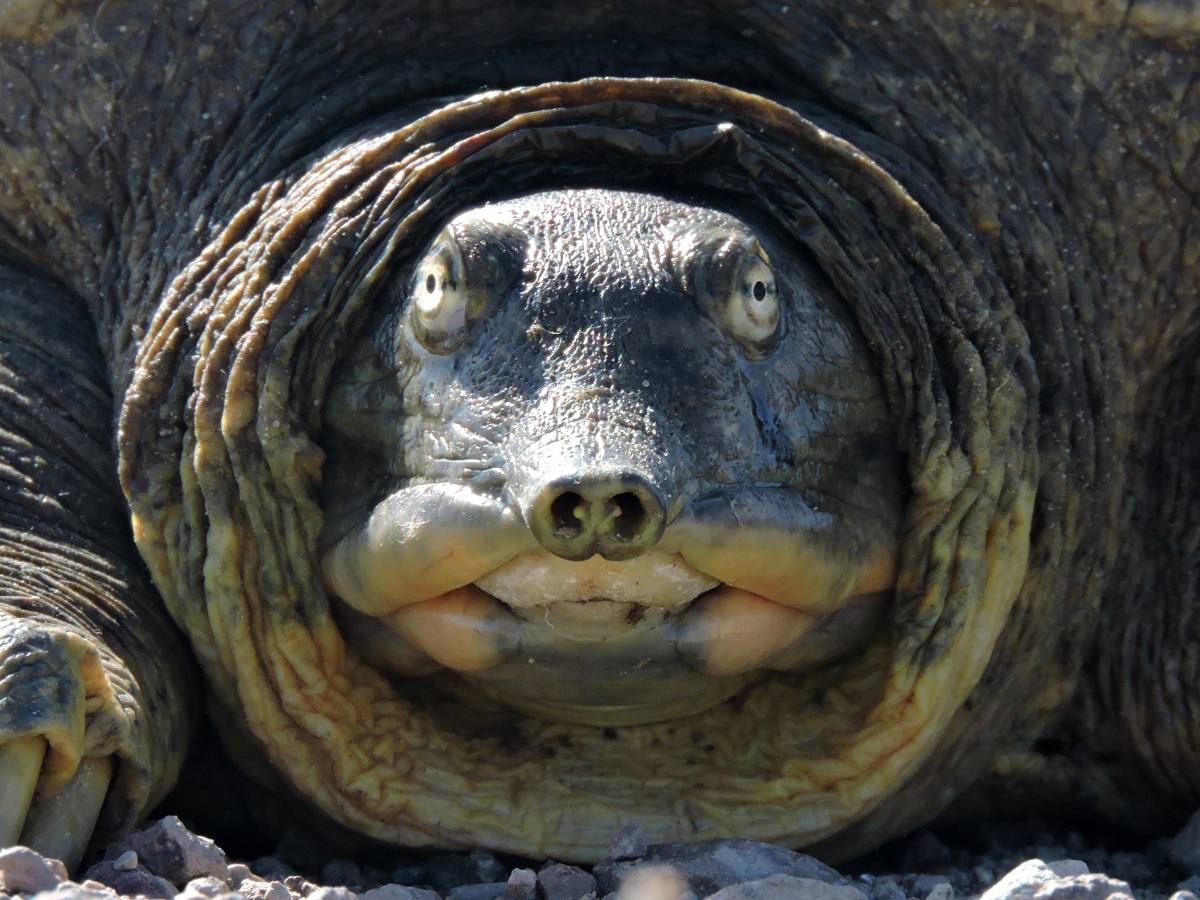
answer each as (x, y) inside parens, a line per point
(61, 726)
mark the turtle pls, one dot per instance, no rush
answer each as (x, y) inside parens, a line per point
(513, 421)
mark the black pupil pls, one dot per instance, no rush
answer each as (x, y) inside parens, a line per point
(430, 283)
(760, 290)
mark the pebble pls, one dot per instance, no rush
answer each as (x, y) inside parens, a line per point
(717, 870)
(630, 843)
(26, 871)
(1068, 868)
(888, 890)
(492, 891)
(712, 865)
(1035, 879)
(207, 886)
(333, 893)
(788, 887)
(557, 881)
(264, 890)
(399, 892)
(446, 871)
(69, 890)
(522, 885)
(923, 886)
(138, 881)
(170, 851)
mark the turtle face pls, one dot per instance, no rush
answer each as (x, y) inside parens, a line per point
(609, 458)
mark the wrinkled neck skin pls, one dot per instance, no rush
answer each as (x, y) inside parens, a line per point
(607, 489)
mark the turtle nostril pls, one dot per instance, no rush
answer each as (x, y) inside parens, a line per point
(628, 515)
(567, 515)
(617, 515)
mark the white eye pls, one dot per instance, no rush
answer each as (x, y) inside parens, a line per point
(458, 280)
(752, 307)
(440, 301)
(729, 274)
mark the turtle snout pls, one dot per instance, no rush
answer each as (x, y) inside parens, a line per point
(618, 515)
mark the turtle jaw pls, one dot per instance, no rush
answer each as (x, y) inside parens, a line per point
(666, 634)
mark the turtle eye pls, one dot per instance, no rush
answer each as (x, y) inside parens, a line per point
(440, 299)
(752, 305)
(467, 267)
(730, 274)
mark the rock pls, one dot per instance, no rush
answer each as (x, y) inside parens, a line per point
(399, 892)
(191, 894)
(126, 861)
(491, 891)
(446, 871)
(207, 886)
(1190, 884)
(298, 884)
(1183, 895)
(26, 871)
(172, 852)
(887, 889)
(557, 881)
(1068, 868)
(333, 893)
(654, 883)
(943, 890)
(487, 867)
(238, 872)
(264, 890)
(924, 886)
(1184, 851)
(1034, 879)
(96, 886)
(136, 881)
(788, 887)
(522, 885)
(89, 890)
(630, 843)
(713, 865)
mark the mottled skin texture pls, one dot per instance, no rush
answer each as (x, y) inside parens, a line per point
(200, 201)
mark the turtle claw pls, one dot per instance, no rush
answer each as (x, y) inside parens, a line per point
(61, 826)
(58, 737)
(20, 763)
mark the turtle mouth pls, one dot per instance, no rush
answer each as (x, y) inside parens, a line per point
(606, 642)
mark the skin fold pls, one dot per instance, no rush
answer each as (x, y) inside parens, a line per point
(952, 488)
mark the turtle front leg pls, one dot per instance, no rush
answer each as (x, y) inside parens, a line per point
(96, 691)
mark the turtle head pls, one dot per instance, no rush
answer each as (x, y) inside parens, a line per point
(609, 458)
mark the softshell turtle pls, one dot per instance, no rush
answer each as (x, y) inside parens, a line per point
(758, 419)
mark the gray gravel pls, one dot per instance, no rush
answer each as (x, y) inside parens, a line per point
(996, 861)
